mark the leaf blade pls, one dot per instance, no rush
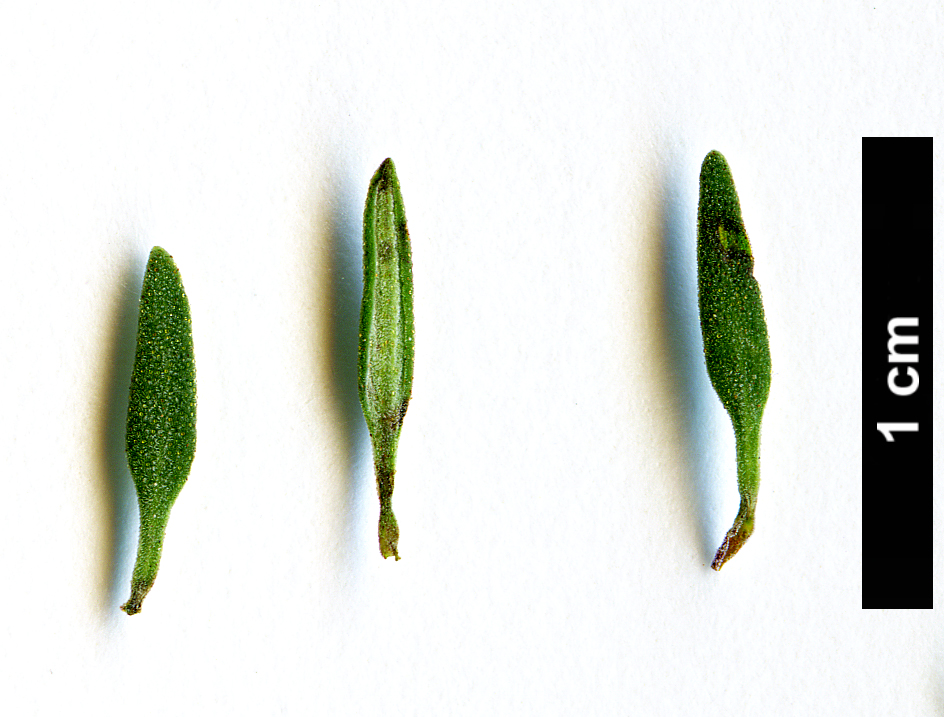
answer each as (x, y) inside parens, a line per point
(386, 340)
(160, 440)
(734, 333)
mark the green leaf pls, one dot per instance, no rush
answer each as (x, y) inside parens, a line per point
(385, 357)
(734, 331)
(162, 413)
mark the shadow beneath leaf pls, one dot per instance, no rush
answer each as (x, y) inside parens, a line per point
(683, 346)
(342, 232)
(119, 503)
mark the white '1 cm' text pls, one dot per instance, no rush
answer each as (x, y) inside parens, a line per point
(905, 388)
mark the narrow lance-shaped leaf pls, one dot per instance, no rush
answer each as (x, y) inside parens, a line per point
(385, 357)
(162, 413)
(734, 332)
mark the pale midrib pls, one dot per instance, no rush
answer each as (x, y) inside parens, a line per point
(385, 365)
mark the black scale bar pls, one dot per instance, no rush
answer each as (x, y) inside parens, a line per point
(898, 371)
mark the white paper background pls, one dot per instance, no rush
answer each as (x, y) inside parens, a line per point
(565, 470)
